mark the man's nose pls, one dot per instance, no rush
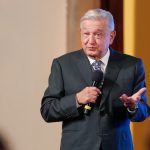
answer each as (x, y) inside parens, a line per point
(91, 39)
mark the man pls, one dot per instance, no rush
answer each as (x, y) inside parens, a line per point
(118, 101)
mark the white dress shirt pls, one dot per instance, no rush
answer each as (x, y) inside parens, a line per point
(104, 61)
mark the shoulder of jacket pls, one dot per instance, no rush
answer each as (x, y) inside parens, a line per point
(126, 56)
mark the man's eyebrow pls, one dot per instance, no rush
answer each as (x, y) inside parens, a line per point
(100, 30)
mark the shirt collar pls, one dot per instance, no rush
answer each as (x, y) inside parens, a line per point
(104, 59)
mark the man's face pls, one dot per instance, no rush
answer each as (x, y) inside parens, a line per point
(96, 37)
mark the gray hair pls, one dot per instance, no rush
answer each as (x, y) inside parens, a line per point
(98, 14)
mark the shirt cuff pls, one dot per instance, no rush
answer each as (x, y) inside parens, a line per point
(132, 111)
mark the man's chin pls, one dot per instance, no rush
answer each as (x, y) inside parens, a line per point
(92, 55)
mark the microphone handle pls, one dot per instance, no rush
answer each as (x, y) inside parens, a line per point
(87, 107)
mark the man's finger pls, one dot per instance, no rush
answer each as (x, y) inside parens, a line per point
(140, 92)
(123, 98)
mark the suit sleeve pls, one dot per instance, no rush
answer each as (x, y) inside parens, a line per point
(56, 106)
(143, 110)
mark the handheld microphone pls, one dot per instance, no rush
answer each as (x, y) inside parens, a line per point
(97, 78)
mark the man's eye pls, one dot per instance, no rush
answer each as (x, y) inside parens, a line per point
(86, 33)
(98, 35)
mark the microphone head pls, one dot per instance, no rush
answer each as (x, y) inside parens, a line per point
(97, 76)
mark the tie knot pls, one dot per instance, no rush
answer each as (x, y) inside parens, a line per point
(97, 65)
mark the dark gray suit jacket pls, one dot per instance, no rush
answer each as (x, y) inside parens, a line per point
(108, 123)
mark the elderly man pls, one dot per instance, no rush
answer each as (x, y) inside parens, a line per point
(117, 98)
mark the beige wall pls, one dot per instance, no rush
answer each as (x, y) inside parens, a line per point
(32, 33)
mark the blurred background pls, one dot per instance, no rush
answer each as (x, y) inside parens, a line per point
(32, 34)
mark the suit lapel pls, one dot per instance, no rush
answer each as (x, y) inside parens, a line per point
(84, 67)
(112, 71)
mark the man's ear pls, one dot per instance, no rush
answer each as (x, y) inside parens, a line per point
(112, 36)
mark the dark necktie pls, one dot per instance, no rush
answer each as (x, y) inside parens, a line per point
(96, 65)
